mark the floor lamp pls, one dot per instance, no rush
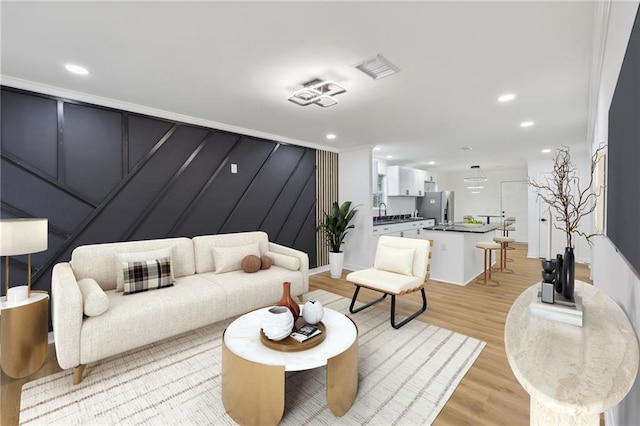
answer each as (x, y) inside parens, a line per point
(21, 236)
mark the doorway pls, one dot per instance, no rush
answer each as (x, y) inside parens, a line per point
(513, 202)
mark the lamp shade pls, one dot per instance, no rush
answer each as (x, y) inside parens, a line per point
(23, 236)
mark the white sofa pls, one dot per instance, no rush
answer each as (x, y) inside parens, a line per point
(201, 295)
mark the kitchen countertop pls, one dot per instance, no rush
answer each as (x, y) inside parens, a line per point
(461, 228)
(396, 221)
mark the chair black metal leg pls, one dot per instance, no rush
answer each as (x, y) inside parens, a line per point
(406, 320)
(355, 296)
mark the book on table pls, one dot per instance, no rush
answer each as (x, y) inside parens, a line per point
(568, 312)
(305, 332)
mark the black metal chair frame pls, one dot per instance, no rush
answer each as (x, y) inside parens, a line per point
(393, 305)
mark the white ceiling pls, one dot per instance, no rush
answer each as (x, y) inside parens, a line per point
(237, 62)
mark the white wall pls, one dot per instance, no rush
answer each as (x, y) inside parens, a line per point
(488, 200)
(354, 184)
(609, 271)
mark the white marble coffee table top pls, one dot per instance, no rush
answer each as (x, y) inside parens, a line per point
(573, 369)
(242, 337)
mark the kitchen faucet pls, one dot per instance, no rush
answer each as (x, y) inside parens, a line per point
(380, 209)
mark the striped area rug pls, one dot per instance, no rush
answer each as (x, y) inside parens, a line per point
(405, 378)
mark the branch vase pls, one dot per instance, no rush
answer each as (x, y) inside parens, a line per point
(568, 273)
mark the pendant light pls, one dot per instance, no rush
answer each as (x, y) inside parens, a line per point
(477, 175)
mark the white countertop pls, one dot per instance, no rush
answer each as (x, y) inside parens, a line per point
(573, 370)
(242, 337)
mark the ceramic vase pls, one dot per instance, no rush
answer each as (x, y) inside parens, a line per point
(559, 277)
(336, 260)
(568, 273)
(312, 312)
(277, 323)
(287, 301)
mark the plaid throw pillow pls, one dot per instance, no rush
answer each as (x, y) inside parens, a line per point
(147, 275)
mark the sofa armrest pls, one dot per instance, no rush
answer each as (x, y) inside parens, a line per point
(304, 261)
(66, 315)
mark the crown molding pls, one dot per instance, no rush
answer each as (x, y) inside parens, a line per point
(18, 83)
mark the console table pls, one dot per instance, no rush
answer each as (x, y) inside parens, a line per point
(572, 374)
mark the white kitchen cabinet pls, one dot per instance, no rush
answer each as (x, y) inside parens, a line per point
(401, 181)
(420, 177)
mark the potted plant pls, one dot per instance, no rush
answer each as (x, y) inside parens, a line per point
(569, 200)
(335, 226)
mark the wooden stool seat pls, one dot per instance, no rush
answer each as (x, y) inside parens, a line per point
(487, 246)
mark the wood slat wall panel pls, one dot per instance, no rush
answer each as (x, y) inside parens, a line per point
(327, 192)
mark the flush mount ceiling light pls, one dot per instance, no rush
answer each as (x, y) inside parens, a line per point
(76, 69)
(477, 175)
(507, 97)
(431, 163)
(331, 136)
(526, 124)
(317, 92)
(546, 151)
(377, 67)
(466, 148)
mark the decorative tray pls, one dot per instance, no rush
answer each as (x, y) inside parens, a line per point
(289, 344)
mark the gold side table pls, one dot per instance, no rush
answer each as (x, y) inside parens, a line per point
(24, 334)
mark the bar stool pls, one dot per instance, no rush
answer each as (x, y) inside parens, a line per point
(504, 246)
(487, 246)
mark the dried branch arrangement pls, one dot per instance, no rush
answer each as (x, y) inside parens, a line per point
(568, 198)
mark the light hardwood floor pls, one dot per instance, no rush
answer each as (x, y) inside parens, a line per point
(489, 394)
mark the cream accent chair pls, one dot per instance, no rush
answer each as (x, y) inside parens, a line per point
(401, 267)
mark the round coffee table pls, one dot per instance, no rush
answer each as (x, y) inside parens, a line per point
(253, 376)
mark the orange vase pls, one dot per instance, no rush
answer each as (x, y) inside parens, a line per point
(288, 301)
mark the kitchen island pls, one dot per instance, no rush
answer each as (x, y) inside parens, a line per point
(456, 260)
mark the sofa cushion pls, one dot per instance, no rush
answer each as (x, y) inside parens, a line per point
(284, 261)
(94, 300)
(147, 275)
(228, 259)
(139, 256)
(97, 260)
(251, 264)
(143, 318)
(246, 292)
(204, 244)
(395, 259)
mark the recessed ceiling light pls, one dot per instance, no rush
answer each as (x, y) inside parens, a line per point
(76, 69)
(431, 163)
(467, 148)
(377, 148)
(507, 97)
(546, 151)
(331, 136)
(526, 124)
(389, 156)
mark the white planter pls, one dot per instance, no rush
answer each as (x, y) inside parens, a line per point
(336, 260)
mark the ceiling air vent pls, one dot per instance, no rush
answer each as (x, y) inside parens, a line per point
(377, 67)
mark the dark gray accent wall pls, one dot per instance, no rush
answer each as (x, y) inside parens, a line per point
(104, 175)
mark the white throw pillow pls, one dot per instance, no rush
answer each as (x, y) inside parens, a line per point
(395, 259)
(94, 300)
(284, 261)
(139, 256)
(228, 259)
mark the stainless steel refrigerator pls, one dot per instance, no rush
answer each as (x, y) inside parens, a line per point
(437, 205)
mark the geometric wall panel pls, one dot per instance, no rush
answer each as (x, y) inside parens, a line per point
(105, 175)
